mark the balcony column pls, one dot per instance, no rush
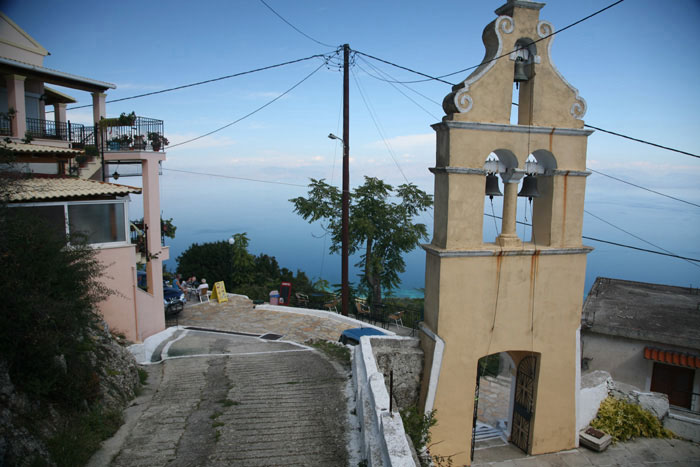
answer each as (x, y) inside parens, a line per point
(99, 111)
(15, 100)
(508, 237)
(59, 112)
(151, 217)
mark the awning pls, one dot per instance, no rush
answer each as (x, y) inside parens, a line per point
(672, 357)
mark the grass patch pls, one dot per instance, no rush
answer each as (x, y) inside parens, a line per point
(217, 435)
(215, 415)
(228, 402)
(217, 424)
(623, 421)
(333, 350)
(81, 436)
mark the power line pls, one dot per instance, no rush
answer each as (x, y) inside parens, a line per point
(633, 235)
(325, 56)
(643, 141)
(615, 243)
(235, 178)
(376, 124)
(250, 113)
(644, 188)
(434, 78)
(294, 27)
(397, 89)
(439, 78)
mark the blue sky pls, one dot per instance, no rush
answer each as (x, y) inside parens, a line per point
(635, 64)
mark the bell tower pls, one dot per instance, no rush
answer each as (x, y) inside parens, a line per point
(519, 296)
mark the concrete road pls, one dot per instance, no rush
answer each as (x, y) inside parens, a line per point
(229, 400)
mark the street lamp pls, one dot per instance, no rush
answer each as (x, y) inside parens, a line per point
(332, 136)
(345, 294)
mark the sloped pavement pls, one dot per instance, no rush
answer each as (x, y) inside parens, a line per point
(232, 400)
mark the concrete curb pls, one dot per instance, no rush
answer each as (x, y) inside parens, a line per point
(323, 314)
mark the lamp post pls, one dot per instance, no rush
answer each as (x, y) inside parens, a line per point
(344, 292)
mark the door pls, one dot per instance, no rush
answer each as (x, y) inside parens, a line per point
(674, 381)
(524, 404)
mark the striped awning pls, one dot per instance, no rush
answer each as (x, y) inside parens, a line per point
(672, 357)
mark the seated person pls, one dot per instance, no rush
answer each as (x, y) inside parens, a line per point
(179, 284)
(203, 285)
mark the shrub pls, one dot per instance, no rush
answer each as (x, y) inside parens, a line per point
(417, 425)
(44, 327)
(623, 421)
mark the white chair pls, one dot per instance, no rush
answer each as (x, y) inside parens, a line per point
(203, 293)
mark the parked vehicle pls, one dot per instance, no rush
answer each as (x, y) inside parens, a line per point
(173, 299)
(352, 336)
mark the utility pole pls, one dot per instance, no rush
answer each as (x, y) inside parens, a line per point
(345, 294)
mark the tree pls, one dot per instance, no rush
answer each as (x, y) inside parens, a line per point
(384, 229)
(218, 261)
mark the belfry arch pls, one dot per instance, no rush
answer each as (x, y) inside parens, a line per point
(507, 294)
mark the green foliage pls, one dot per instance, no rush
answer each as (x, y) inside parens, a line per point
(123, 120)
(489, 365)
(623, 421)
(242, 272)
(382, 229)
(45, 323)
(334, 350)
(143, 376)
(417, 425)
(81, 436)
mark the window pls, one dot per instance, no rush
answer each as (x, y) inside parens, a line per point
(100, 221)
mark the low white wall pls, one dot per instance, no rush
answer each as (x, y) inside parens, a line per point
(383, 439)
(594, 390)
(323, 314)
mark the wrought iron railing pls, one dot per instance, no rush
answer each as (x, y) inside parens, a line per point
(5, 125)
(134, 134)
(50, 129)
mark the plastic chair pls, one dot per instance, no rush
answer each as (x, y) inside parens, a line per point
(397, 317)
(203, 293)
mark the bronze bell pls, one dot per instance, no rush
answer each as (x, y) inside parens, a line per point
(492, 186)
(529, 188)
(520, 74)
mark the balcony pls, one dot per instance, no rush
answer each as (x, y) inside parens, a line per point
(74, 133)
(132, 133)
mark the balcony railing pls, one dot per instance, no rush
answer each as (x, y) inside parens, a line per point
(134, 134)
(62, 131)
(5, 125)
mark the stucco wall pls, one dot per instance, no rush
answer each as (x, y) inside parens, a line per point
(119, 310)
(621, 357)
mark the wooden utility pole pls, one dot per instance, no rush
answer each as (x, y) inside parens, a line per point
(345, 294)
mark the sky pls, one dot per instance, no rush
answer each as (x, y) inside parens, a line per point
(636, 65)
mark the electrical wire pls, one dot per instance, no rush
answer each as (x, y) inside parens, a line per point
(643, 141)
(250, 113)
(619, 244)
(644, 188)
(294, 27)
(430, 78)
(439, 78)
(635, 236)
(235, 178)
(376, 124)
(198, 83)
(397, 89)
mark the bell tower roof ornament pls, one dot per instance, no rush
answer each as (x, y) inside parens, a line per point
(546, 98)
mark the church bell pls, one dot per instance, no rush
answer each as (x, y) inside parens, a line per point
(492, 186)
(529, 188)
(520, 74)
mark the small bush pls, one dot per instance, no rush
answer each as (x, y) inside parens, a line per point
(143, 376)
(81, 436)
(335, 351)
(417, 425)
(623, 421)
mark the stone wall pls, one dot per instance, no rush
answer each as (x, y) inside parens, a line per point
(405, 358)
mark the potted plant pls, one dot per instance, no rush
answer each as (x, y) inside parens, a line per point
(139, 142)
(157, 140)
(120, 142)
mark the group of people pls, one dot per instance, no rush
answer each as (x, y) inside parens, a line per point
(190, 286)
